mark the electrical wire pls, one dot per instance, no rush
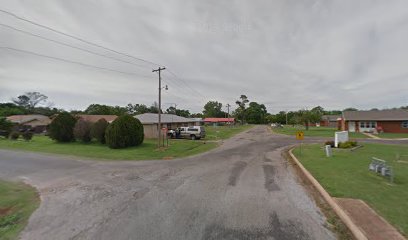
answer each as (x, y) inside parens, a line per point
(75, 37)
(72, 62)
(68, 45)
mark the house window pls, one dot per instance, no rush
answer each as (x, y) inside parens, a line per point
(368, 124)
(405, 124)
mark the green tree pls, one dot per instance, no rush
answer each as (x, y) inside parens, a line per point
(8, 109)
(30, 100)
(350, 109)
(213, 109)
(125, 131)
(136, 109)
(256, 113)
(241, 103)
(61, 128)
(5, 127)
(98, 109)
(178, 112)
(98, 130)
(308, 116)
(82, 131)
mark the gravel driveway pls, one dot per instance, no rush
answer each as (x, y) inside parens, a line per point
(242, 190)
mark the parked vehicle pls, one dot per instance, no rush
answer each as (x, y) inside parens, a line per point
(193, 132)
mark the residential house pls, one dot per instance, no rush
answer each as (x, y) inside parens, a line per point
(330, 121)
(170, 121)
(36, 123)
(389, 121)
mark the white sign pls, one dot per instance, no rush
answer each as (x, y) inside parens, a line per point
(340, 137)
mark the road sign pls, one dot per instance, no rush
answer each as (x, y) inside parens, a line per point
(300, 135)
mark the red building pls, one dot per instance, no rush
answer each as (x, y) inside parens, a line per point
(219, 120)
(388, 121)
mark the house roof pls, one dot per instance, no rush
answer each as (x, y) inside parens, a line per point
(151, 118)
(22, 119)
(331, 118)
(95, 118)
(377, 115)
(219, 119)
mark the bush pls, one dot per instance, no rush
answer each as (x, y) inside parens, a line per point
(124, 132)
(98, 130)
(27, 135)
(82, 131)
(331, 143)
(14, 135)
(61, 128)
(5, 127)
(348, 144)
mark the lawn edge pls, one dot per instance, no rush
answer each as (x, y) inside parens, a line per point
(354, 229)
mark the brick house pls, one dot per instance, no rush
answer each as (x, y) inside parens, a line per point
(33, 122)
(170, 121)
(388, 121)
(330, 121)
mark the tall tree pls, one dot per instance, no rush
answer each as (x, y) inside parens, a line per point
(240, 112)
(30, 100)
(213, 109)
(256, 113)
(98, 109)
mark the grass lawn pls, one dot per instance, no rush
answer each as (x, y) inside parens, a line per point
(314, 131)
(393, 135)
(148, 150)
(346, 175)
(224, 132)
(17, 202)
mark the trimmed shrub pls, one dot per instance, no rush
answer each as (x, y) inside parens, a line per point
(125, 131)
(82, 131)
(5, 127)
(331, 143)
(61, 128)
(98, 130)
(27, 135)
(348, 144)
(14, 135)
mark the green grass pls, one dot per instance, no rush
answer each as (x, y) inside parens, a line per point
(17, 202)
(148, 150)
(346, 175)
(393, 135)
(314, 131)
(224, 132)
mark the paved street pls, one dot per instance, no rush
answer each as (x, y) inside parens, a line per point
(242, 190)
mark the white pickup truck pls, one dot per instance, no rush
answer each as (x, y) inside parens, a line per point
(193, 132)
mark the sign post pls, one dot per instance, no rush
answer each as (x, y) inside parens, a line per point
(300, 136)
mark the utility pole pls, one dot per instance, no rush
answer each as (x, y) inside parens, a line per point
(228, 107)
(286, 118)
(160, 88)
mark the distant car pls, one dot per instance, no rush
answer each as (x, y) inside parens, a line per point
(193, 132)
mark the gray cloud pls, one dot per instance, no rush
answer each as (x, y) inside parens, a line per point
(288, 54)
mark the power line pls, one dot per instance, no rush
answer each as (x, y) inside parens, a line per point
(70, 61)
(93, 44)
(75, 37)
(68, 45)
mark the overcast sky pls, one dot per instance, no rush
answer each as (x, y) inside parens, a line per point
(286, 54)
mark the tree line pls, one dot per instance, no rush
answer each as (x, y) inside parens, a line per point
(246, 111)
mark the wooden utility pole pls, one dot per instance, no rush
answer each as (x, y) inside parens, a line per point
(228, 107)
(160, 88)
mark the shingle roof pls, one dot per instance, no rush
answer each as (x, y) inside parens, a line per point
(149, 118)
(379, 115)
(95, 118)
(21, 119)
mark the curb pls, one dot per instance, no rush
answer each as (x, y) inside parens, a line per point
(354, 229)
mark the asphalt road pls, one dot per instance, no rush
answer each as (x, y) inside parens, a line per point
(242, 190)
